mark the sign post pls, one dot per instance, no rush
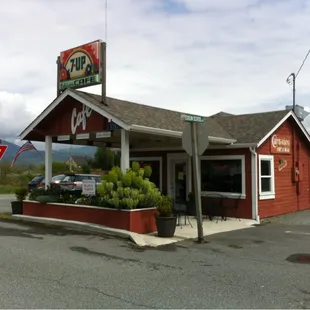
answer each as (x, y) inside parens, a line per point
(193, 147)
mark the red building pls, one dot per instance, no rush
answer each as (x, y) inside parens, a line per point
(260, 160)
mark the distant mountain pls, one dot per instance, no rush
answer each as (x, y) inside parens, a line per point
(34, 157)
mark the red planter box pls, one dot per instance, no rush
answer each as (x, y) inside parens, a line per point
(141, 221)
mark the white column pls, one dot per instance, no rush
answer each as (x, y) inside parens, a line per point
(124, 150)
(48, 160)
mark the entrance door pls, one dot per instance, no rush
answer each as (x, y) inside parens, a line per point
(179, 179)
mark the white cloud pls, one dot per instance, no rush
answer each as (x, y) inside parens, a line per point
(202, 57)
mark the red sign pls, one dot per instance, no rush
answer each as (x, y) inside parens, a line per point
(3, 149)
(80, 66)
(280, 144)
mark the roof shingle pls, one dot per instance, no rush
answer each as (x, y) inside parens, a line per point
(246, 128)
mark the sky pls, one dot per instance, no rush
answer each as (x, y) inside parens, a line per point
(195, 56)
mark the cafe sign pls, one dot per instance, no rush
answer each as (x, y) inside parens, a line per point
(80, 118)
(80, 66)
(280, 144)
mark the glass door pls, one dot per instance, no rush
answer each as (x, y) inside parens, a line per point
(179, 180)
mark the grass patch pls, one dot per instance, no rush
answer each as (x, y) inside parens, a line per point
(5, 216)
(7, 189)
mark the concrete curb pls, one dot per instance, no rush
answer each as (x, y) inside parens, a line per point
(75, 225)
(138, 239)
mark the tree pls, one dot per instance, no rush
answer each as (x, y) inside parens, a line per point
(105, 159)
(57, 168)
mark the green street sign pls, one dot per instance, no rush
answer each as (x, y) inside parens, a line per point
(193, 118)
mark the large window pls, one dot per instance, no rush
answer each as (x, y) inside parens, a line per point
(155, 163)
(266, 177)
(223, 174)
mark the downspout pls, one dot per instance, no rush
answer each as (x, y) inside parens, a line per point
(254, 182)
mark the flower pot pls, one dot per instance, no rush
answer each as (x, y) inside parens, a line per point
(17, 207)
(166, 226)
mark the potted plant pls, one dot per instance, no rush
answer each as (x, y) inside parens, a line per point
(17, 205)
(166, 221)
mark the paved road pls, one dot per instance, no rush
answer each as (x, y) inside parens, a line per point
(54, 268)
(5, 203)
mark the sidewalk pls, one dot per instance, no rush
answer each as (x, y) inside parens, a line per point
(182, 232)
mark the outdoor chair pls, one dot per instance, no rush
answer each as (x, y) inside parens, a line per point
(234, 206)
(180, 208)
(213, 206)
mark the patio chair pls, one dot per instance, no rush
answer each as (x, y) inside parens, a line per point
(180, 208)
(213, 206)
(234, 206)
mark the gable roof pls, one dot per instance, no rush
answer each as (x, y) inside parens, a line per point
(79, 160)
(250, 128)
(222, 127)
(134, 114)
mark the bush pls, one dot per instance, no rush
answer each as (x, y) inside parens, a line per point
(21, 193)
(164, 206)
(130, 190)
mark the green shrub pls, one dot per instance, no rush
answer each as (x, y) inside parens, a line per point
(130, 190)
(164, 206)
(21, 193)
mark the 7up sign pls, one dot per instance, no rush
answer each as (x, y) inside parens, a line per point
(80, 66)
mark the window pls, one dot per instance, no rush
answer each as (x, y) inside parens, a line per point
(266, 177)
(223, 174)
(155, 165)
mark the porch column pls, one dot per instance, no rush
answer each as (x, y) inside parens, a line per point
(124, 150)
(48, 160)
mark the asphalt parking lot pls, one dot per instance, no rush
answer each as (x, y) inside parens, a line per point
(261, 267)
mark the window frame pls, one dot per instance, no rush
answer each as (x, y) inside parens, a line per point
(146, 159)
(242, 195)
(270, 194)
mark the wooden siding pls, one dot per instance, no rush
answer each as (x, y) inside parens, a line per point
(289, 196)
(245, 205)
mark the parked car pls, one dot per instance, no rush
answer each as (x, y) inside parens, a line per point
(55, 180)
(35, 182)
(74, 182)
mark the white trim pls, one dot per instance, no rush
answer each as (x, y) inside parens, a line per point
(156, 131)
(289, 113)
(243, 174)
(160, 159)
(89, 207)
(177, 158)
(211, 147)
(58, 100)
(254, 184)
(271, 194)
(174, 134)
(221, 140)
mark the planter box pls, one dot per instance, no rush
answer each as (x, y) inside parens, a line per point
(140, 221)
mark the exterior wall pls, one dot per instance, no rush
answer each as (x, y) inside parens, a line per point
(141, 221)
(244, 206)
(289, 196)
(58, 122)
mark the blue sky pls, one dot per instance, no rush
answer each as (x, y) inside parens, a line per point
(197, 56)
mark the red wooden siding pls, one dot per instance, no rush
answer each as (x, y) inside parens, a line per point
(58, 122)
(287, 199)
(245, 205)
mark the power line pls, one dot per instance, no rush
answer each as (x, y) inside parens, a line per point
(303, 63)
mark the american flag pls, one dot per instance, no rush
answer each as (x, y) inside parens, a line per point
(26, 147)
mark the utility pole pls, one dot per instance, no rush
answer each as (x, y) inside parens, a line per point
(292, 80)
(193, 126)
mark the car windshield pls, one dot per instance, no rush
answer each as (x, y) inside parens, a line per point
(37, 179)
(58, 177)
(68, 178)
